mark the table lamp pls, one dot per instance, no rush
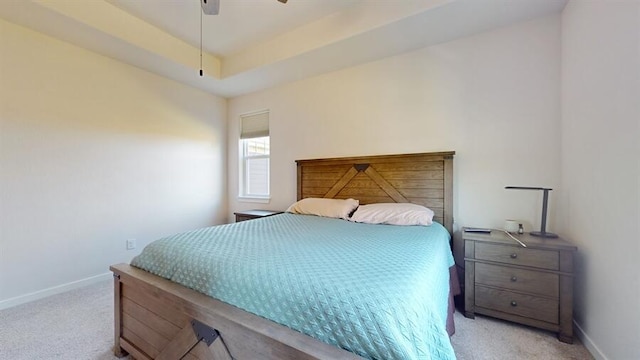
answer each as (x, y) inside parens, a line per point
(543, 224)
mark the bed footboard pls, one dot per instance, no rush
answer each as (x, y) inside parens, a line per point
(158, 319)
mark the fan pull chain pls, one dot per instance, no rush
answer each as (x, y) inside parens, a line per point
(205, 1)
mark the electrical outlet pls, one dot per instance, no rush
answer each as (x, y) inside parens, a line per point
(131, 244)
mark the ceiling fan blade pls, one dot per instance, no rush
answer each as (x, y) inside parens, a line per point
(210, 7)
(283, 1)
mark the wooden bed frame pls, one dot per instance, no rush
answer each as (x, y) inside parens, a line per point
(159, 319)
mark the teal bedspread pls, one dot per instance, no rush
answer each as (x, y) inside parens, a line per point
(379, 291)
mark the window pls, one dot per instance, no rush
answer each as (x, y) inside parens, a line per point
(254, 156)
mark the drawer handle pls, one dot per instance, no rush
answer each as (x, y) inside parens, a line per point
(514, 255)
(514, 303)
(514, 279)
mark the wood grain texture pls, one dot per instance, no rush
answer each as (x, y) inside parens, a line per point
(245, 335)
(469, 280)
(379, 179)
(180, 345)
(202, 352)
(425, 179)
(517, 279)
(152, 314)
(134, 351)
(565, 332)
(150, 319)
(448, 192)
(517, 255)
(510, 302)
(344, 180)
(118, 351)
(146, 333)
(531, 286)
(219, 350)
(142, 346)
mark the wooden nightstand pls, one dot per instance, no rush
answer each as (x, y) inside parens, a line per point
(531, 286)
(254, 214)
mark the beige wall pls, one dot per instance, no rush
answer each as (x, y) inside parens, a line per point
(601, 170)
(94, 152)
(496, 99)
(493, 98)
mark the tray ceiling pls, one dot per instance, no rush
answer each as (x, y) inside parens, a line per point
(256, 44)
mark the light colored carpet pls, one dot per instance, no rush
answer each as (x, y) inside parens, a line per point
(79, 325)
(488, 338)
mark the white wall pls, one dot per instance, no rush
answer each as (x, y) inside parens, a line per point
(493, 98)
(93, 152)
(601, 170)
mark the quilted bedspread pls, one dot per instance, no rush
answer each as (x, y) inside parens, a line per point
(379, 291)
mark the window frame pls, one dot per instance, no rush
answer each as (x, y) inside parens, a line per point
(244, 159)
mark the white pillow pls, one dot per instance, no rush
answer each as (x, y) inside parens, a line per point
(333, 208)
(393, 214)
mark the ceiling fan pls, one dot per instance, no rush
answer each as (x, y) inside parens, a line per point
(212, 7)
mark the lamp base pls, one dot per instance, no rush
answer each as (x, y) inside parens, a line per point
(543, 234)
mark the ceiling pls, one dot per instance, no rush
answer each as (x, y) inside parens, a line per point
(256, 44)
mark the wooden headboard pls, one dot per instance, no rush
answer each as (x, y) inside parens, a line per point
(425, 179)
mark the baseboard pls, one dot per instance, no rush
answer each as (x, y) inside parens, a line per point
(588, 343)
(22, 299)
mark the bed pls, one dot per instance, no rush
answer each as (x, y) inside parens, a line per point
(156, 318)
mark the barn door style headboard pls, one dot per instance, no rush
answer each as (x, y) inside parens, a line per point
(425, 179)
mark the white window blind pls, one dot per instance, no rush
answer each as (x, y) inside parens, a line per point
(254, 156)
(254, 125)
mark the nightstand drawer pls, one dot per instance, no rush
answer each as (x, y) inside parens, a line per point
(534, 282)
(530, 285)
(543, 259)
(517, 304)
